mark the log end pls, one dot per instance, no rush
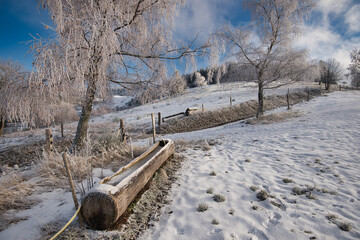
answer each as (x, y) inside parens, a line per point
(99, 210)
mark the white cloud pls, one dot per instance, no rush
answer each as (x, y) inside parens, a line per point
(203, 17)
(332, 6)
(324, 40)
(327, 7)
(323, 43)
(352, 18)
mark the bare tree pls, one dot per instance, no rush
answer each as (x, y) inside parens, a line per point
(95, 38)
(354, 68)
(330, 72)
(265, 44)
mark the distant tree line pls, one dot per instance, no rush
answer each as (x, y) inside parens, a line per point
(227, 72)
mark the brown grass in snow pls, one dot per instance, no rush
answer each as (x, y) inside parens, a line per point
(274, 118)
(14, 194)
(245, 110)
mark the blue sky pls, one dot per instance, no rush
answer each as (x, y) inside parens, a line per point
(332, 30)
(19, 19)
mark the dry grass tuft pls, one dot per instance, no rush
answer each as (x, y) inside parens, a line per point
(14, 194)
(102, 151)
(232, 211)
(287, 180)
(262, 195)
(210, 190)
(274, 118)
(255, 207)
(202, 207)
(310, 195)
(276, 204)
(206, 146)
(342, 225)
(219, 198)
(14, 191)
(215, 222)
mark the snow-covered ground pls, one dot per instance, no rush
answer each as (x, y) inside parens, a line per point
(320, 150)
(212, 97)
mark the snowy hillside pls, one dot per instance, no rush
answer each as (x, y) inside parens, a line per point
(307, 167)
(315, 155)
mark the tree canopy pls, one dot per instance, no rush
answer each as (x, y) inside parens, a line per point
(95, 39)
(354, 68)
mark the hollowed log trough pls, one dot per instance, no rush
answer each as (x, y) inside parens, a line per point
(109, 199)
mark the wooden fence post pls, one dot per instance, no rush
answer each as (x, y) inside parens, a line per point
(2, 125)
(73, 192)
(122, 130)
(320, 90)
(308, 94)
(49, 140)
(230, 102)
(68, 173)
(202, 108)
(159, 121)
(287, 99)
(153, 126)
(62, 129)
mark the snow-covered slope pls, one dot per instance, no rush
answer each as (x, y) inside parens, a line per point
(212, 97)
(319, 152)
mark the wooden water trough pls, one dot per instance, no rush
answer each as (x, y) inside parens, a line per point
(109, 199)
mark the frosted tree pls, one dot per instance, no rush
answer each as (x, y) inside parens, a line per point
(20, 100)
(13, 93)
(94, 38)
(265, 43)
(199, 80)
(176, 84)
(221, 71)
(330, 72)
(354, 68)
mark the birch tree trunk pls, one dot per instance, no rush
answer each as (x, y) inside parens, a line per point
(83, 124)
(260, 110)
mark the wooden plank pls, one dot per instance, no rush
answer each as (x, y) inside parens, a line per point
(106, 203)
(132, 163)
(174, 115)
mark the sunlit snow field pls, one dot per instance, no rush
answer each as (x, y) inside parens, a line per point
(318, 151)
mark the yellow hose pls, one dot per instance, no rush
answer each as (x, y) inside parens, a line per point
(67, 224)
